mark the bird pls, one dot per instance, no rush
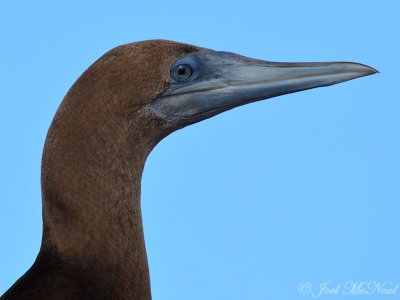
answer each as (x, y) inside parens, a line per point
(105, 127)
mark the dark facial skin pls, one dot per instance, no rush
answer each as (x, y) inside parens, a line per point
(207, 82)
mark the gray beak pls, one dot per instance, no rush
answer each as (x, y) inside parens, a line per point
(207, 83)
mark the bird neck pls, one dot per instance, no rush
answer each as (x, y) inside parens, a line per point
(91, 177)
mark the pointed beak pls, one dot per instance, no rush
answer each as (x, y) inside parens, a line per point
(222, 81)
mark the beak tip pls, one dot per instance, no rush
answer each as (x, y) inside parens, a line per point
(360, 70)
(369, 70)
(376, 71)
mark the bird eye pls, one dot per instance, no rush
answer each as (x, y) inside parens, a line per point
(182, 72)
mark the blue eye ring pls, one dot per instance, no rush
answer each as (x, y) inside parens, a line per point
(181, 72)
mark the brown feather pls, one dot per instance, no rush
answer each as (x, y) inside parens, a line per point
(93, 245)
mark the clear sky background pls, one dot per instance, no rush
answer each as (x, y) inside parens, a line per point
(248, 204)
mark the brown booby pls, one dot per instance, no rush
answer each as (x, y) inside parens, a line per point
(109, 121)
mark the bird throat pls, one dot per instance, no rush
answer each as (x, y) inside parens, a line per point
(92, 223)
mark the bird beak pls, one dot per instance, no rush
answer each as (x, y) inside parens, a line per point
(223, 80)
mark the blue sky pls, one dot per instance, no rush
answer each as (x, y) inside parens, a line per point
(253, 202)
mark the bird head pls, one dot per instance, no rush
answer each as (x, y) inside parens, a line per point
(178, 84)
